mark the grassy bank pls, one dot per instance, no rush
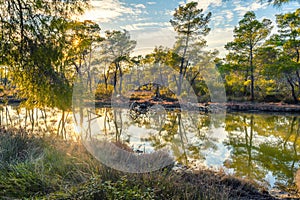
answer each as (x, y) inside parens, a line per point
(48, 168)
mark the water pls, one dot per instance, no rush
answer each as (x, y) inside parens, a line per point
(259, 147)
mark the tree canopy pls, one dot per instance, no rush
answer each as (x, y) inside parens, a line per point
(248, 35)
(191, 24)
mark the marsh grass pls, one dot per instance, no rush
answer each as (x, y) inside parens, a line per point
(49, 168)
(32, 166)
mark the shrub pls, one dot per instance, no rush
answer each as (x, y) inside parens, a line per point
(101, 91)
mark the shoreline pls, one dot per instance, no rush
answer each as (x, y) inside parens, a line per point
(252, 107)
(230, 106)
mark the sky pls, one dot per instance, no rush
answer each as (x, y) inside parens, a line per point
(148, 20)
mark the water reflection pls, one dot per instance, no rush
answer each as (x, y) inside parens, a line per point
(38, 121)
(260, 147)
(183, 134)
(264, 147)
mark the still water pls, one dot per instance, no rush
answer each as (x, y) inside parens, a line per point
(261, 147)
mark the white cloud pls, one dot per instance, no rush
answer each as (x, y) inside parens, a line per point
(229, 15)
(151, 2)
(144, 26)
(204, 4)
(218, 20)
(274, 30)
(181, 2)
(241, 10)
(291, 8)
(140, 6)
(217, 39)
(222, 18)
(146, 41)
(169, 12)
(106, 10)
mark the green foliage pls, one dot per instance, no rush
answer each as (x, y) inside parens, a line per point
(115, 52)
(16, 147)
(255, 159)
(235, 85)
(247, 37)
(191, 24)
(275, 3)
(188, 20)
(18, 177)
(120, 189)
(279, 3)
(283, 48)
(54, 169)
(43, 59)
(1, 88)
(21, 180)
(268, 87)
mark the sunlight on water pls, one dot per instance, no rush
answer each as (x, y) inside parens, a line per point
(39, 121)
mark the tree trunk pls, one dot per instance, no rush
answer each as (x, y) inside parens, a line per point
(293, 90)
(157, 93)
(192, 82)
(121, 80)
(115, 79)
(252, 74)
(245, 86)
(181, 72)
(105, 81)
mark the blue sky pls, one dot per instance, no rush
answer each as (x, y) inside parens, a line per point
(148, 20)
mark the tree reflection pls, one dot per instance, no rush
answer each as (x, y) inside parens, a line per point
(263, 144)
(260, 145)
(184, 135)
(244, 151)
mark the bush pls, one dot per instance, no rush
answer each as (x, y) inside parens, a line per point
(101, 91)
(96, 188)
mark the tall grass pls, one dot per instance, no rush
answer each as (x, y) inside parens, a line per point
(32, 166)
